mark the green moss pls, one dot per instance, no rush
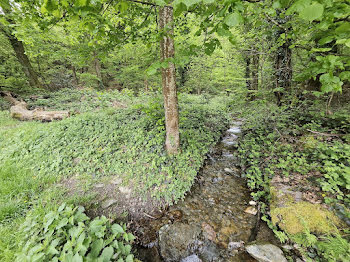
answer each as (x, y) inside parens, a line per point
(297, 217)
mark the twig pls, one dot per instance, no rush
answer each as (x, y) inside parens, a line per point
(149, 215)
(324, 134)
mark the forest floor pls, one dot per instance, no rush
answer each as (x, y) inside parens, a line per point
(290, 158)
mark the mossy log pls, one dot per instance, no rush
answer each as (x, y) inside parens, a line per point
(20, 111)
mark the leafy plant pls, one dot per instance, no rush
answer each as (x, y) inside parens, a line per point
(67, 234)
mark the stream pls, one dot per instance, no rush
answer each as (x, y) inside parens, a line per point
(214, 221)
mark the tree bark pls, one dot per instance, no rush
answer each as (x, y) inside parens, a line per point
(283, 64)
(97, 66)
(23, 59)
(167, 50)
(75, 78)
(255, 71)
(18, 47)
(247, 72)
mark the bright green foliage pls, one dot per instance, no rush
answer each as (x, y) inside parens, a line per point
(80, 101)
(127, 142)
(67, 234)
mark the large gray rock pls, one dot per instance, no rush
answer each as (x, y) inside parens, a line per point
(266, 253)
(178, 241)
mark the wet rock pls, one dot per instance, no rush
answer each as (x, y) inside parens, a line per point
(251, 210)
(209, 252)
(342, 213)
(209, 232)
(229, 171)
(178, 241)
(287, 247)
(228, 156)
(235, 245)
(175, 215)
(192, 258)
(231, 140)
(234, 130)
(266, 253)
(108, 203)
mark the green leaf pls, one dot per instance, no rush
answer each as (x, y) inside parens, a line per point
(343, 28)
(77, 258)
(179, 9)
(233, 19)
(160, 2)
(312, 12)
(208, 1)
(82, 2)
(96, 248)
(129, 258)
(190, 3)
(62, 223)
(107, 254)
(117, 229)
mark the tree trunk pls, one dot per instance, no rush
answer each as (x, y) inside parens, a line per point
(24, 61)
(167, 50)
(18, 47)
(75, 78)
(97, 65)
(247, 72)
(283, 65)
(255, 71)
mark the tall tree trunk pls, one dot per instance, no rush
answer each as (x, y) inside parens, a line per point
(75, 78)
(255, 71)
(18, 47)
(97, 66)
(167, 50)
(247, 72)
(23, 59)
(283, 64)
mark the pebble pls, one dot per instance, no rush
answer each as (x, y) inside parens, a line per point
(99, 185)
(192, 258)
(116, 181)
(109, 202)
(229, 170)
(252, 203)
(235, 245)
(266, 253)
(125, 190)
(251, 210)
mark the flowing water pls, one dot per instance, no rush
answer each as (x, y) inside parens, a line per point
(219, 204)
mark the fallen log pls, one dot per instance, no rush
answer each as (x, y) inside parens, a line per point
(20, 111)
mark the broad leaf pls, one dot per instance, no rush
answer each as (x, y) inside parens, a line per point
(312, 12)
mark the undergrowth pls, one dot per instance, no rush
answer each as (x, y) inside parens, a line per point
(99, 141)
(300, 142)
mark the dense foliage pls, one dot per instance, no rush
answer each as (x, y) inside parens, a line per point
(298, 146)
(67, 234)
(283, 64)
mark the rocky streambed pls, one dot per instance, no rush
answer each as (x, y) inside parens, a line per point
(215, 222)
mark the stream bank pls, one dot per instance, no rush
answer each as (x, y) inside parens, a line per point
(216, 219)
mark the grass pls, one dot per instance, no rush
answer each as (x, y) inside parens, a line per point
(96, 142)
